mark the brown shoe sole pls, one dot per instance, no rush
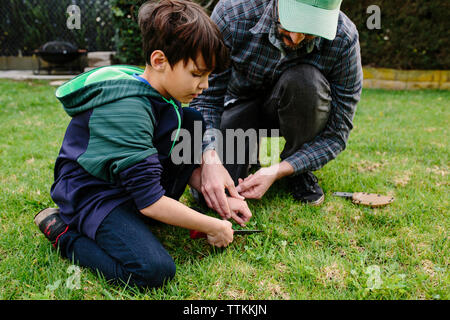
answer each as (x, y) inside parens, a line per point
(316, 203)
(38, 218)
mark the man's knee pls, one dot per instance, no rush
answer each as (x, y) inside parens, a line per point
(302, 97)
(304, 77)
(304, 85)
(241, 115)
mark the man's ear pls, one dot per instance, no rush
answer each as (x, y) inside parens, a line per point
(158, 60)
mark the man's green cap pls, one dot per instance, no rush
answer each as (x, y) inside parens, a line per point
(317, 17)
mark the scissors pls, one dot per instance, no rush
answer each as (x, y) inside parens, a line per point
(194, 234)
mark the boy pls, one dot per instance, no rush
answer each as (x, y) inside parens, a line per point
(114, 168)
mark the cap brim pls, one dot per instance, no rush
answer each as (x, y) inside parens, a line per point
(299, 17)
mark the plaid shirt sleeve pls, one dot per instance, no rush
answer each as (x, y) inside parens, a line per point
(257, 62)
(211, 102)
(346, 85)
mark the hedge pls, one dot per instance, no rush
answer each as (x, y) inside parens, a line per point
(414, 34)
(27, 25)
(128, 41)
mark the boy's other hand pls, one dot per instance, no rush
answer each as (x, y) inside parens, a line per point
(214, 180)
(222, 234)
(239, 211)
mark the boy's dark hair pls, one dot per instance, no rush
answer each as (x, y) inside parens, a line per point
(182, 30)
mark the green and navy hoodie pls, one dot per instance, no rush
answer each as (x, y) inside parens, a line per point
(115, 147)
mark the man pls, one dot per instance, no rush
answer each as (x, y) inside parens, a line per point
(296, 67)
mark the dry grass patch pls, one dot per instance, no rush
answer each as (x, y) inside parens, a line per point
(402, 179)
(333, 275)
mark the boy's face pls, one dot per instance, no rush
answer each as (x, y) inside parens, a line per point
(186, 82)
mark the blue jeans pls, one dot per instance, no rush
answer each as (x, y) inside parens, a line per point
(124, 248)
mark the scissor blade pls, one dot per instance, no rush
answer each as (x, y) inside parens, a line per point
(343, 194)
(246, 231)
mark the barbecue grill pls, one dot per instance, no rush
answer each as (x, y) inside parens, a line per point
(60, 55)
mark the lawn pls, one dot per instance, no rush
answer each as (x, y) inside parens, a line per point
(339, 250)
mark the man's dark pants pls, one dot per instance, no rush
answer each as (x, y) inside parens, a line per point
(298, 105)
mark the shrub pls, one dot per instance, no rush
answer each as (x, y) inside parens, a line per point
(26, 25)
(414, 34)
(128, 41)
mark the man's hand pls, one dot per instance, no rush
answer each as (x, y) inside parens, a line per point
(239, 211)
(215, 179)
(256, 185)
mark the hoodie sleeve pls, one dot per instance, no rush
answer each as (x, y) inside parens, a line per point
(142, 181)
(121, 150)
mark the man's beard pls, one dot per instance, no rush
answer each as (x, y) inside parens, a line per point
(296, 47)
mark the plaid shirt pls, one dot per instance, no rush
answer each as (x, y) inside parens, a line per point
(258, 60)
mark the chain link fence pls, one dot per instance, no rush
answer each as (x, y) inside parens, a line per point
(28, 24)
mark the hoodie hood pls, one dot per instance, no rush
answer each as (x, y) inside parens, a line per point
(100, 86)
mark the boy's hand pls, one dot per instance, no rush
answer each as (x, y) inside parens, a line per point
(222, 234)
(239, 211)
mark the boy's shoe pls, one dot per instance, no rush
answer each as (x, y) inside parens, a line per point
(304, 188)
(51, 224)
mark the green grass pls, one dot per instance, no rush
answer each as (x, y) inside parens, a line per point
(399, 147)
